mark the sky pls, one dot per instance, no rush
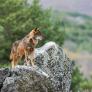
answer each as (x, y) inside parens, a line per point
(81, 6)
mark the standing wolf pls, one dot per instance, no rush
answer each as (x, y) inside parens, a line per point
(25, 47)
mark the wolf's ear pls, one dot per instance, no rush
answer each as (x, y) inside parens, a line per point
(35, 29)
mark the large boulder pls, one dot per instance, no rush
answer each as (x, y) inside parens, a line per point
(52, 73)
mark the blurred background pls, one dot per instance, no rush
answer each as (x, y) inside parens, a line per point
(67, 22)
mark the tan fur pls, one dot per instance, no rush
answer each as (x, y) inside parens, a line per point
(25, 47)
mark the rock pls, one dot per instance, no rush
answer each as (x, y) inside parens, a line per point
(52, 72)
(4, 72)
(27, 79)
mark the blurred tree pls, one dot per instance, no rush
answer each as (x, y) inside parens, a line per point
(79, 82)
(77, 78)
(18, 17)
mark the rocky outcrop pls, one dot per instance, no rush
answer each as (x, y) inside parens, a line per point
(52, 73)
(4, 72)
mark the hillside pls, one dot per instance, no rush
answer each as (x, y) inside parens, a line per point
(78, 42)
(78, 30)
(81, 6)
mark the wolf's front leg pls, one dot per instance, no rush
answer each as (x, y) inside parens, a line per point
(32, 57)
(27, 59)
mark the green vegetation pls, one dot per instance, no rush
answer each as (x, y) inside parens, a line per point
(79, 83)
(18, 17)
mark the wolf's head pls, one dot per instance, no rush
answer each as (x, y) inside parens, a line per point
(37, 34)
